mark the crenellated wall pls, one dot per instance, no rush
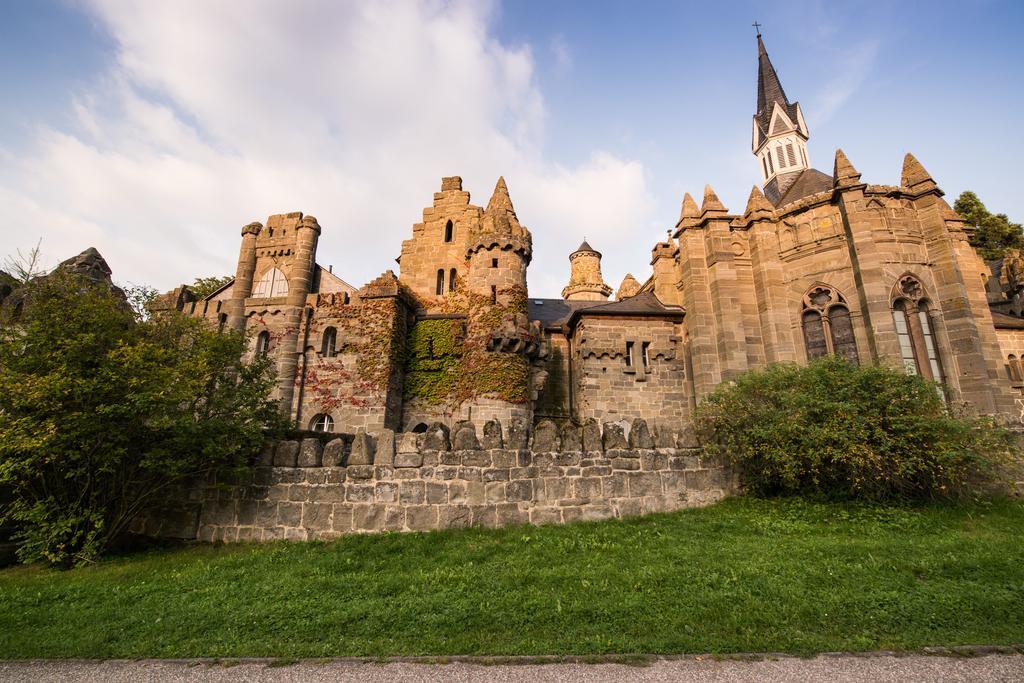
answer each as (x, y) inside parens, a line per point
(442, 479)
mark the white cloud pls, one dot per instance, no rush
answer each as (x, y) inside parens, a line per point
(853, 68)
(214, 114)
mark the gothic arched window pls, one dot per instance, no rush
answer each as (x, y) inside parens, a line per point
(272, 284)
(451, 280)
(440, 281)
(263, 343)
(827, 326)
(327, 349)
(915, 329)
(449, 232)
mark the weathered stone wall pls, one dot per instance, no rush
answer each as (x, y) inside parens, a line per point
(439, 479)
(610, 386)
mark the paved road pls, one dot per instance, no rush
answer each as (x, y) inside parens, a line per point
(876, 668)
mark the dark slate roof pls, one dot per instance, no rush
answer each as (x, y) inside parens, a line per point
(644, 304)
(810, 181)
(1007, 322)
(769, 90)
(555, 312)
(585, 246)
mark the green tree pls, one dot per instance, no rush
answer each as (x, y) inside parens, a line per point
(100, 413)
(835, 430)
(205, 286)
(994, 234)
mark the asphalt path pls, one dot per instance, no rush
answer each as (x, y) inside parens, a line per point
(825, 668)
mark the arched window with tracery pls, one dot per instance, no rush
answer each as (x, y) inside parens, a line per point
(827, 326)
(273, 283)
(916, 323)
(327, 348)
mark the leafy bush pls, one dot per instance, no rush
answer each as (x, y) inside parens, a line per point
(835, 430)
(101, 412)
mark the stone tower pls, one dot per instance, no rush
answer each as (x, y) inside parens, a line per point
(585, 280)
(434, 260)
(779, 131)
(499, 251)
(276, 267)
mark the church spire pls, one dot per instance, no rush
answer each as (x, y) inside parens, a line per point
(769, 89)
(779, 131)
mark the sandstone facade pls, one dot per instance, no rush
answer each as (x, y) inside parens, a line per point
(816, 263)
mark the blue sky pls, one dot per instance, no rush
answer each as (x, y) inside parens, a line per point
(154, 131)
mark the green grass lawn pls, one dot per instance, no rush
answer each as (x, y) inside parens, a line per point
(744, 575)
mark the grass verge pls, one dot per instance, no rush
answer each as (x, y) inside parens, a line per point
(742, 576)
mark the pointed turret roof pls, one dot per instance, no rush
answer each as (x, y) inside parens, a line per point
(757, 202)
(769, 90)
(500, 198)
(913, 172)
(690, 208)
(500, 216)
(711, 201)
(585, 246)
(843, 172)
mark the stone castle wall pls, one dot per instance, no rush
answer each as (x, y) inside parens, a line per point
(438, 479)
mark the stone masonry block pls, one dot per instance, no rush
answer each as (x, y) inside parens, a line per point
(310, 453)
(334, 453)
(613, 436)
(368, 517)
(414, 459)
(494, 492)
(510, 513)
(453, 516)
(385, 454)
(437, 493)
(492, 435)
(483, 515)
(287, 454)
(640, 435)
(476, 458)
(362, 449)
(465, 438)
(545, 437)
(644, 484)
(586, 488)
(316, 516)
(572, 437)
(652, 460)
(545, 515)
(386, 492)
(289, 514)
(421, 517)
(518, 434)
(436, 437)
(592, 436)
(411, 492)
(520, 490)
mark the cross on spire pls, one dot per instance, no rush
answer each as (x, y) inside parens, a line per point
(757, 27)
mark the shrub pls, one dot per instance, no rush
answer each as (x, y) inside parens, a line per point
(101, 412)
(835, 430)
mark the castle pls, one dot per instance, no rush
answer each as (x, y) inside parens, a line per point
(816, 264)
